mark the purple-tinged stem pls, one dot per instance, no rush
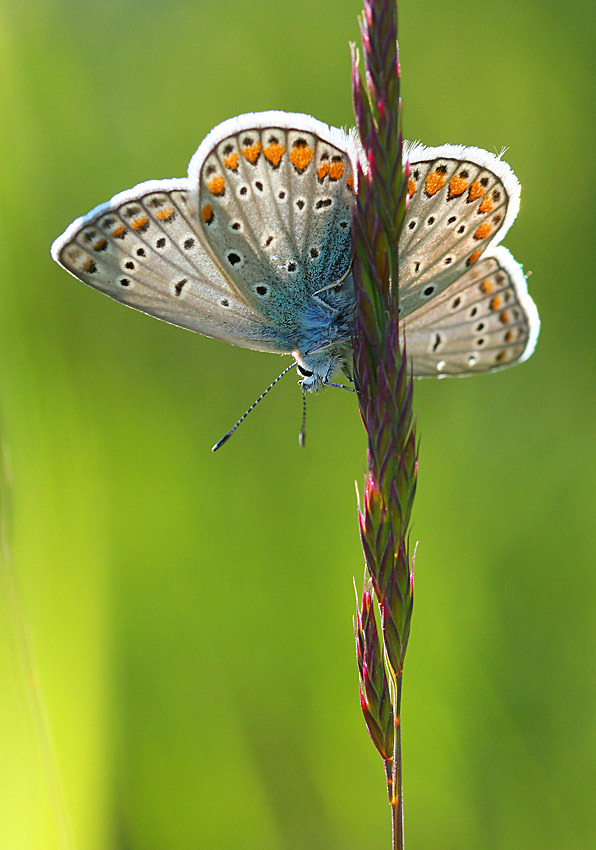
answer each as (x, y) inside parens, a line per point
(384, 387)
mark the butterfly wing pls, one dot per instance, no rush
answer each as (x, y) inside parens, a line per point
(483, 321)
(142, 248)
(462, 200)
(464, 301)
(236, 250)
(273, 193)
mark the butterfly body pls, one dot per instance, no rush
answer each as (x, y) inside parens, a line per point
(254, 247)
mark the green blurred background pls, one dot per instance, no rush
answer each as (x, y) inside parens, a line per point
(190, 613)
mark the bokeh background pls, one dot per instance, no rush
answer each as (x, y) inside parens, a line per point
(189, 613)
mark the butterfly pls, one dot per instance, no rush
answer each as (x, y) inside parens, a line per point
(254, 247)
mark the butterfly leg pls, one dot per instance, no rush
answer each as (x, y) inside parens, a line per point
(334, 341)
(321, 303)
(337, 284)
(339, 386)
(328, 383)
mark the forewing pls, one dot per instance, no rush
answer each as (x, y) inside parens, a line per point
(483, 321)
(142, 248)
(273, 193)
(461, 201)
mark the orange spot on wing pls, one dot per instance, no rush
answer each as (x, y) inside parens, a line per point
(140, 223)
(457, 186)
(504, 317)
(495, 303)
(119, 231)
(231, 161)
(100, 245)
(482, 231)
(508, 336)
(165, 215)
(336, 170)
(89, 266)
(301, 157)
(217, 186)
(207, 214)
(350, 181)
(476, 191)
(473, 257)
(486, 286)
(273, 153)
(500, 357)
(411, 187)
(434, 182)
(323, 170)
(486, 205)
(252, 153)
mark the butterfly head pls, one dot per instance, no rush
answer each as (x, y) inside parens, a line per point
(310, 381)
(317, 368)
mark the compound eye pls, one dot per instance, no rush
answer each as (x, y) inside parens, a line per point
(304, 372)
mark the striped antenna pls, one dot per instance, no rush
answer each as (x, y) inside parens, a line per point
(227, 436)
(302, 434)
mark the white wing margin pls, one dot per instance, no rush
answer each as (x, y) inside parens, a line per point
(484, 321)
(143, 248)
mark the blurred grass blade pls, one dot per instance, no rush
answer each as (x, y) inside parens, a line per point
(26, 668)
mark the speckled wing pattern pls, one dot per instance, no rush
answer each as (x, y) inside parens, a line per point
(274, 195)
(481, 322)
(236, 249)
(142, 248)
(463, 301)
(261, 226)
